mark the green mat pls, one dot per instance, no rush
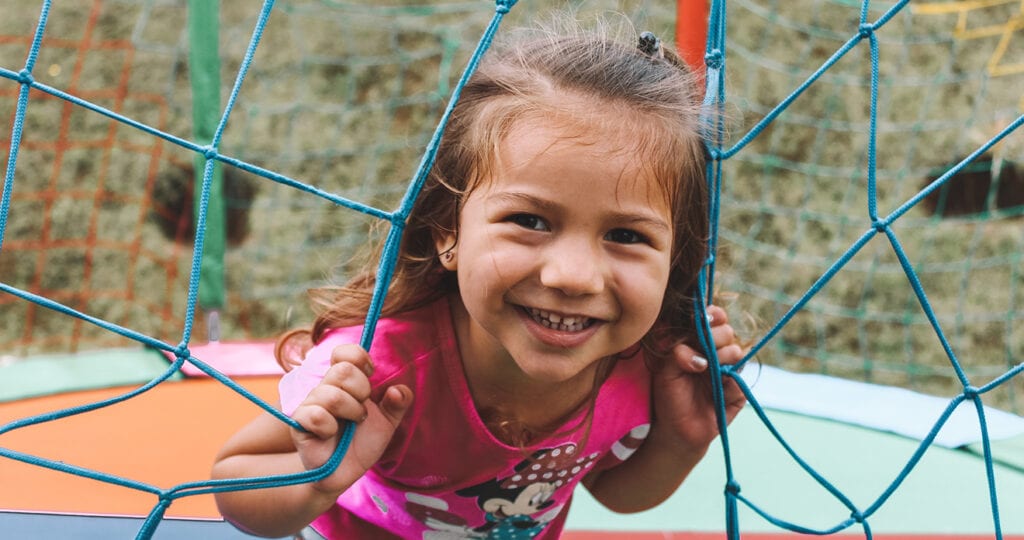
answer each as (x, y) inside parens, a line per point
(1008, 452)
(44, 375)
(945, 494)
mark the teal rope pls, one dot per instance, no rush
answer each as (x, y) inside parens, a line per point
(715, 97)
(398, 218)
(210, 152)
(25, 78)
(785, 103)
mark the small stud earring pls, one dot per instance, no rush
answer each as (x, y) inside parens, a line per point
(448, 256)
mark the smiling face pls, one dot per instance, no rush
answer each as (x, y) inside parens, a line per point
(562, 253)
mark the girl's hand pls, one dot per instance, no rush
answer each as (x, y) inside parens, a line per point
(683, 404)
(344, 396)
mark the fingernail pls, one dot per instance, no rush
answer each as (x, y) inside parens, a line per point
(700, 361)
(711, 318)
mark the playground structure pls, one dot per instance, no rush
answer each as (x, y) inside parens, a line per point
(98, 214)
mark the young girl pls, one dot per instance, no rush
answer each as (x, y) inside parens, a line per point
(539, 329)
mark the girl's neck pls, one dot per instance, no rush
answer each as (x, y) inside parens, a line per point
(506, 395)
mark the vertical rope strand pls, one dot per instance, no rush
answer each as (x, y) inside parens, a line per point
(714, 106)
(25, 78)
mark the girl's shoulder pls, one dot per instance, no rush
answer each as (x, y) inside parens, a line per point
(420, 335)
(398, 339)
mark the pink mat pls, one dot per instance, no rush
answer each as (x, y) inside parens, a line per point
(234, 358)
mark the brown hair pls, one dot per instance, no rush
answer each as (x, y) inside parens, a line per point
(530, 73)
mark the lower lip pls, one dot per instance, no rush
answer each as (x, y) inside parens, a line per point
(557, 338)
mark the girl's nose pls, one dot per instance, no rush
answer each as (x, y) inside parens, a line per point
(575, 270)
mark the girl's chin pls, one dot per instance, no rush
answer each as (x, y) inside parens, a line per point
(547, 370)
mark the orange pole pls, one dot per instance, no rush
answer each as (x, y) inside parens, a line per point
(692, 31)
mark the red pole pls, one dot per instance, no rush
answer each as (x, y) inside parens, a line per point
(692, 31)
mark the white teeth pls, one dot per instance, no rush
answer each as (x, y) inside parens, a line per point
(553, 318)
(559, 322)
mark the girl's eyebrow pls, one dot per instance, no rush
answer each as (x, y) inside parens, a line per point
(638, 219)
(520, 198)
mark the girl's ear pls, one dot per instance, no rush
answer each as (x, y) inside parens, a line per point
(446, 251)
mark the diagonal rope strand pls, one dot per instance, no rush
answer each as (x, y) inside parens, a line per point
(866, 34)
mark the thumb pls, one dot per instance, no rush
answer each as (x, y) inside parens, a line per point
(395, 403)
(688, 359)
(374, 433)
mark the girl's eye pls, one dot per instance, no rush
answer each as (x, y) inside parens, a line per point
(625, 236)
(529, 221)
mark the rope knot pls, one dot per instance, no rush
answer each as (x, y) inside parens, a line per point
(971, 392)
(25, 77)
(865, 30)
(209, 152)
(182, 352)
(733, 370)
(714, 59)
(503, 6)
(880, 225)
(732, 487)
(857, 516)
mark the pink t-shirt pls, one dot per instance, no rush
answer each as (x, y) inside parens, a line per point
(444, 475)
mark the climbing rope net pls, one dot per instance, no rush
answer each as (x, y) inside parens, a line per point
(840, 288)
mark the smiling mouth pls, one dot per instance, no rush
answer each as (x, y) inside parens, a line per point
(562, 323)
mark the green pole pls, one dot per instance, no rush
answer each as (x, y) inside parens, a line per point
(204, 72)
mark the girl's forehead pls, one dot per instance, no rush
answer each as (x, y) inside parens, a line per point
(601, 135)
(591, 157)
(592, 139)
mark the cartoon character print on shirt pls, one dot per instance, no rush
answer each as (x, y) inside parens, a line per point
(630, 442)
(517, 506)
(520, 505)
